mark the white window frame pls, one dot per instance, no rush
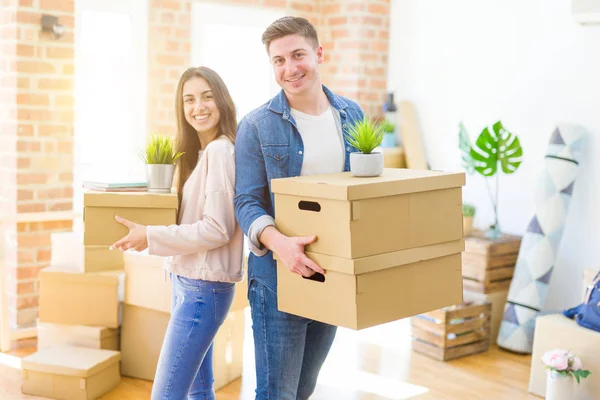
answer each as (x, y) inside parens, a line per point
(203, 14)
(138, 12)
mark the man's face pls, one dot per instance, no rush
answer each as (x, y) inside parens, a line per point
(295, 63)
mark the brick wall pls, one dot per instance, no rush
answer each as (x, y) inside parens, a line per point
(169, 39)
(44, 120)
(37, 118)
(355, 39)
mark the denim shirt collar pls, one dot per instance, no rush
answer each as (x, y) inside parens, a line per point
(280, 105)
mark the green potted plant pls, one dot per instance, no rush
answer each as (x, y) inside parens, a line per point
(492, 147)
(389, 134)
(468, 211)
(159, 157)
(365, 136)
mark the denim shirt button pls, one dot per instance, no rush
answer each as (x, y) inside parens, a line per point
(300, 152)
(347, 148)
(344, 125)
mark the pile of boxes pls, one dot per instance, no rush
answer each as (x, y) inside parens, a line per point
(103, 313)
(555, 331)
(390, 245)
(488, 268)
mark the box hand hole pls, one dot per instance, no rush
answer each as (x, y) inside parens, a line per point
(309, 206)
(318, 277)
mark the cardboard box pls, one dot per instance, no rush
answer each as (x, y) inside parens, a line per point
(360, 217)
(228, 350)
(142, 337)
(92, 337)
(556, 331)
(369, 291)
(70, 298)
(70, 254)
(70, 373)
(148, 284)
(498, 300)
(100, 208)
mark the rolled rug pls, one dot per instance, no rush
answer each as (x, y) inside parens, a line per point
(540, 242)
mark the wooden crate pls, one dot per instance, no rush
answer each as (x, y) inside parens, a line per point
(489, 265)
(453, 332)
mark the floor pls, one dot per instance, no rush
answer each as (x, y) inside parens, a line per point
(373, 364)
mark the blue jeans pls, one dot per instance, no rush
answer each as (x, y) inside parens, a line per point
(185, 365)
(289, 350)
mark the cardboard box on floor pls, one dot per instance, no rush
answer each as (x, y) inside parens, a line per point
(70, 373)
(498, 300)
(93, 337)
(70, 254)
(71, 298)
(370, 291)
(142, 337)
(148, 285)
(556, 331)
(360, 217)
(100, 208)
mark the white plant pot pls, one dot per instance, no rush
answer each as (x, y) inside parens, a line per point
(365, 165)
(559, 387)
(160, 177)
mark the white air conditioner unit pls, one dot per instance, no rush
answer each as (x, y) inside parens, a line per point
(586, 12)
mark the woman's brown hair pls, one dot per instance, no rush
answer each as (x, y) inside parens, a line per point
(187, 137)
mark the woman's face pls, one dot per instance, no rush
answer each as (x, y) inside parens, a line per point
(199, 107)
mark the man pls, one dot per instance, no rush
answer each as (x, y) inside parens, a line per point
(301, 131)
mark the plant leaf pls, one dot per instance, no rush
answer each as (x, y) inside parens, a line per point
(160, 149)
(576, 375)
(464, 144)
(510, 152)
(497, 145)
(364, 135)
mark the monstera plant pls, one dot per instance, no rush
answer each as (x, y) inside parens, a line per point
(493, 147)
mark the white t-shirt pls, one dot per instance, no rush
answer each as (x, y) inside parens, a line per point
(323, 144)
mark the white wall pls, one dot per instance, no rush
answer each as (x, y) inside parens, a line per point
(521, 61)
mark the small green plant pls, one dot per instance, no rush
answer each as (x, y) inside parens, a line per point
(387, 126)
(468, 210)
(160, 150)
(365, 135)
(493, 148)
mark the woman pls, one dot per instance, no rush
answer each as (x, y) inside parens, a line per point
(205, 248)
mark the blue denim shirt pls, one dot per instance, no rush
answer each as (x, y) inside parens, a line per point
(269, 146)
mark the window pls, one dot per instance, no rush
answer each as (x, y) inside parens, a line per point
(228, 40)
(110, 91)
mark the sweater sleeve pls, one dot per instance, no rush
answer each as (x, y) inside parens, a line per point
(218, 221)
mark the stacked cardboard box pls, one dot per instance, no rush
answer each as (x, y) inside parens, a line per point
(453, 332)
(146, 316)
(390, 245)
(81, 298)
(70, 373)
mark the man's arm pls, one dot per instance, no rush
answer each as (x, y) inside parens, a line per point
(251, 186)
(251, 201)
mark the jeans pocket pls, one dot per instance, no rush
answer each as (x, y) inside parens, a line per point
(223, 298)
(191, 285)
